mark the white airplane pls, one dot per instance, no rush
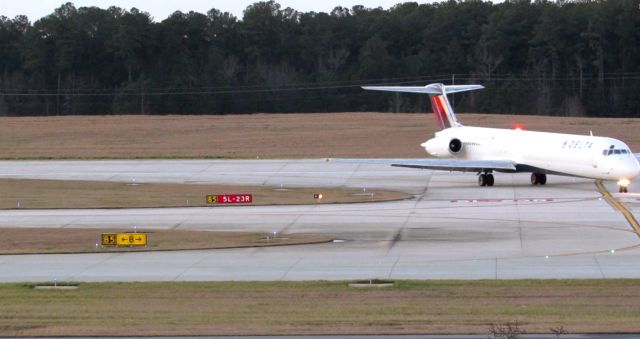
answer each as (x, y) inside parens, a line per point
(488, 150)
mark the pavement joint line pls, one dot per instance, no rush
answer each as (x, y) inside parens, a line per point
(599, 267)
(204, 170)
(205, 256)
(290, 225)
(615, 203)
(418, 199)
(286, 273)
(393, 267)
(353, 173)
(517, 207)
(99, 263)
(273, 174)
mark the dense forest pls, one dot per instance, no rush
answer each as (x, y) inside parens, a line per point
(577, 58)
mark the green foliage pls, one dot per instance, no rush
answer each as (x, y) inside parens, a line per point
(556, 58)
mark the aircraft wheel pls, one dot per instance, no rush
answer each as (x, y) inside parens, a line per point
(542, 179)
(490, 180)
(534, 179)
(482, 180)
(623, 189)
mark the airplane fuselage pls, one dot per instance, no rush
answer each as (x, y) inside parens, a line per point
(487, 150)
(540, 152)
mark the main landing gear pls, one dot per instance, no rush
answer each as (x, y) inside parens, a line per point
(485, 179)
(538, 179)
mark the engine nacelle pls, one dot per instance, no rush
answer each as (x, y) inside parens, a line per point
(441, 147)
(455, 146)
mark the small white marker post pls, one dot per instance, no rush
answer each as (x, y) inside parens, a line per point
(275, 233)
(18, 204)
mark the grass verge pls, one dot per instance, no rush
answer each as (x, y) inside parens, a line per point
(50, 194)
(255, 308)
(71, 240)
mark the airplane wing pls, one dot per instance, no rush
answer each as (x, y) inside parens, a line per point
(439, 164)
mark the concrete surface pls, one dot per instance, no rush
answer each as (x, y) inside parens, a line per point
(452, 229)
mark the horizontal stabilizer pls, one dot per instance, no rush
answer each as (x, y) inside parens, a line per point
(433, 89)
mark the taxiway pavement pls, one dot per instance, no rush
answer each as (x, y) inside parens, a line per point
(452, 229)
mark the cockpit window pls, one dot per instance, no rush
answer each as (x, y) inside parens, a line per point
(611, 151)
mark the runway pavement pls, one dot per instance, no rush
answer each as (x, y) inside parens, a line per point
(452, 229)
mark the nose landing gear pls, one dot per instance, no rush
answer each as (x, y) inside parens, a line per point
(538, 179)
(623, 186)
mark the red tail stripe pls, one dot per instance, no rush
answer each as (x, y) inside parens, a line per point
(443, 111)
(437, 114)
(439, 107)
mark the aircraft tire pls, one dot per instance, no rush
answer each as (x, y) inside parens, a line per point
(538, 179)
(490, 180)
(482, 180)
(542, 179)
(534, 179)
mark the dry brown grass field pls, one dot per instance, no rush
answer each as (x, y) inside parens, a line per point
(261, 135)
(304, 308)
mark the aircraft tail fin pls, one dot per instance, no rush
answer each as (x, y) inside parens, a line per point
(442, 111)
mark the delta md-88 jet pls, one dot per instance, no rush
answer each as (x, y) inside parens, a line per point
(488, 150)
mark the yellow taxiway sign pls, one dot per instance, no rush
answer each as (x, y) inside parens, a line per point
(124, 239)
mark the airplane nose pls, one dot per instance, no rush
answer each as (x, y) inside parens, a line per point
(631, 168)
(635, 167)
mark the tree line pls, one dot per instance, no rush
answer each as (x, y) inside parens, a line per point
(575, 58)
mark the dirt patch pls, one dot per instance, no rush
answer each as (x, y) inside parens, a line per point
(305, 308)
(71, 240)
(376, 135)
(48, 194)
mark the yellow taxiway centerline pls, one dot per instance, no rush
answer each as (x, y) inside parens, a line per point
(619, 206)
